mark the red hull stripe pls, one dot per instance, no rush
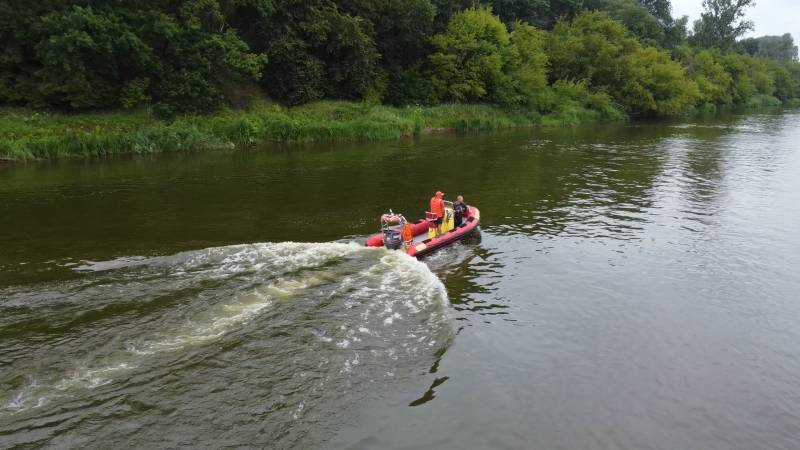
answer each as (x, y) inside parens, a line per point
(429, 245)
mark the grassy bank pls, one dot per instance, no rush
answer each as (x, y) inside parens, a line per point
(30, 135)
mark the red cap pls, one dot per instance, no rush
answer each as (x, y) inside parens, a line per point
(439, 193)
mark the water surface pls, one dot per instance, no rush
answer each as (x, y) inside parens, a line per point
(633, 286)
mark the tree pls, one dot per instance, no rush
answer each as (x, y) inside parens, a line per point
(468, 61)
(88, 58)
(787, 80)
(703, 66)
(660, 9)
(676, 33)
(402, 31)
(67, 55)
(530, 11)
(751, 76)
(477, 59)
(778, 48)
(636, 18)
(446, 9)
(598, 49)
(540, 13)
(315, 51)
(721, 23)
(526, 66)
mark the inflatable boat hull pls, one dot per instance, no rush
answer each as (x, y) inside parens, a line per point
(422, 245)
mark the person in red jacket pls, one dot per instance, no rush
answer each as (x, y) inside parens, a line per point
(437, 210)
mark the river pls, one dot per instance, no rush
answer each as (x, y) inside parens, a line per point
(633, 286)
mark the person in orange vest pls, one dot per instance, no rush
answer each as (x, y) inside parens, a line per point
(437, 210)
(408, 235)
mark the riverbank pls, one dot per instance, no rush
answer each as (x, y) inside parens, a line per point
(30, 135)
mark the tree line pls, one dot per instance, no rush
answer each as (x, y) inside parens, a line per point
(196, 56)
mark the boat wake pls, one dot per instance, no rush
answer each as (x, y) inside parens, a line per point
(276, 331)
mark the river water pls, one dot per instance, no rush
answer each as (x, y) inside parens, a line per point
(633, 286)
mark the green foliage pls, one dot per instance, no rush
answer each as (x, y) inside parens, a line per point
(656, 84)
(750, 77)
(32, 135)
(88, 58)
(644, 80)
(134, 93)
(477, 59)
(676, 33)
(762, 101)
(732, 78)
(412, 86)
(526, 66)
(636, 18)
(316, 51)
(778, 48)
(469, 58)
(705, 68)
(721, 23)
(539, 13)
(446, 9)
(66, 55)
(660, 9)
(787, 81)
(598, 58)
(570, 103)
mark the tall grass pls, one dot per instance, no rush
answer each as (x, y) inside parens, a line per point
(762, 101)
(27, 135)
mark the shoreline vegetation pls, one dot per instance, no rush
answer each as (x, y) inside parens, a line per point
(99, 78)
(30, 135)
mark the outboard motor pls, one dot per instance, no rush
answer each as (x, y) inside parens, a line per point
(392, 227)
(392, 238)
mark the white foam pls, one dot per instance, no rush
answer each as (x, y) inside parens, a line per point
(394, 288)
(225, 318)
(92, 378)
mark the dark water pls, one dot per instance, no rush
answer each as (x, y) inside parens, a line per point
(633, 286)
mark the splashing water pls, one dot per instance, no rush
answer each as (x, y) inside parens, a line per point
(203, 345)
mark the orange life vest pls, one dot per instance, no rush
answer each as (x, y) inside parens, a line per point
(437, 206)
(408, 236)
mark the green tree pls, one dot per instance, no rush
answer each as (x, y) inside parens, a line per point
(402, 31)
(468, 62)
(88, 58)
(778, 48)
(21, 30)
(676, 33)
(660, 9)
(315, 51)
(540, 13)
(598, 49)
(64, 54)
(525, 66)
(787, 80)
(477, 59)
(721, 23)
(703, 66)
(636, 18)
(446, 9)
(750, 76)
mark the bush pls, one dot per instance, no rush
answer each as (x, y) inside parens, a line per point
(599, 50)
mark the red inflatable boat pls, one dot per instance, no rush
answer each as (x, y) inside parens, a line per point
(422, 243)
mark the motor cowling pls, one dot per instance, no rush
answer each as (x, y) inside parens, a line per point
(392, 227)
(393, 237)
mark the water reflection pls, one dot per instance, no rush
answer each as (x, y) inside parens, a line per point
(630, 282)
